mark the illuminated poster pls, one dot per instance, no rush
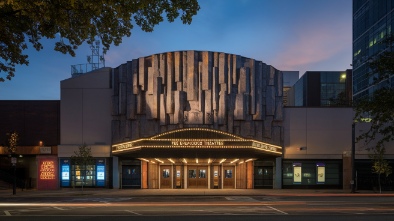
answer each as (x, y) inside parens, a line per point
(100, 172)
(65, 172)
(297, 173)
(321, 173)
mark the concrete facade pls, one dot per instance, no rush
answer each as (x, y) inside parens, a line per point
(182, 89)
(85, 109)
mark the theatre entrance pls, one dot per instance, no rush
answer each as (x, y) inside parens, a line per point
(131, 177)
(263, 176)
(198, 158)
(197, 177)
(166, 177)
(229, 177)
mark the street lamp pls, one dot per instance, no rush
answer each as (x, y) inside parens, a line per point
(13, 161)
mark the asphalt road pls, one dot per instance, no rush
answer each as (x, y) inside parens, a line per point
(198, 208)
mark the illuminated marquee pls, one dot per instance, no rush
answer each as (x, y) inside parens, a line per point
(47, 170)
(185, 138)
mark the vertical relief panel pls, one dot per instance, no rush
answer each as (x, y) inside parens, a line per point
(252, 74)
(142, 74)
(223, 71)
(163, 115)
(122, 98)
(123, 73)
(208, 107)
(156, 97)
(240, 108)
(279, 83)
(244, 80)
(130, 97)
(184, 70)
(271, 75)
(231, 109)
(229, 73)
(222, 112)
(115, 128)
(179, 97)
(169, 108)
(270, 101)
(268, 127)
(207, 61)
(201, 95)
(192, 76)
(153, 73)
(163, 67)
(178, 67)
(236, 66)
(141, 102)
(115, 80)
(215, 88)
(260, 112)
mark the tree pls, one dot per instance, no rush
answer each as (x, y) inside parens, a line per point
(12, 142)
(77, 21)
(378, 111)
(380, 165)
(82, 159)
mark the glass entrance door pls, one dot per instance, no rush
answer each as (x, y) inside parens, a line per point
(263, 177)
(131, 177)
(197, 177)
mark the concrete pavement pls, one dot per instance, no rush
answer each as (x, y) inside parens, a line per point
(101, 192)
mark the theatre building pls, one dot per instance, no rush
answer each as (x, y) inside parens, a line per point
(184, 119)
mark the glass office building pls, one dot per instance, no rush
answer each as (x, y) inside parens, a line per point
(322, 89)
(372, 23)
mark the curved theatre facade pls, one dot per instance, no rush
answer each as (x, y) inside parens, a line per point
(196, 119)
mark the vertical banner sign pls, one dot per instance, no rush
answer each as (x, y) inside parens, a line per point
(321, 173)
(297, 173)
(65, 173)
(100, 173)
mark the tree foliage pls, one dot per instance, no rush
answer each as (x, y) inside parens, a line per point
(380, 165)
(379, 110)
(74, 22)
(12, 142)
(83, 158)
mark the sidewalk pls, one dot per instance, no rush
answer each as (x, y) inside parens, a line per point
(89, 192)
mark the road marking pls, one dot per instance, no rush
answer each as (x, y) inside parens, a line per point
(7, 213)
(138, 214)
(58, 208)
(277, 210)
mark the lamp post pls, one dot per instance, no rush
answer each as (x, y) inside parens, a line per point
(353, 156)
(13, 161)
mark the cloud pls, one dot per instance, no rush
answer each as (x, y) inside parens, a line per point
(312, 44)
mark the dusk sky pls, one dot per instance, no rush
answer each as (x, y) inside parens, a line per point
(291, 35)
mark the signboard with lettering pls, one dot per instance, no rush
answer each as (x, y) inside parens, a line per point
(47, 173)
(45, 150)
